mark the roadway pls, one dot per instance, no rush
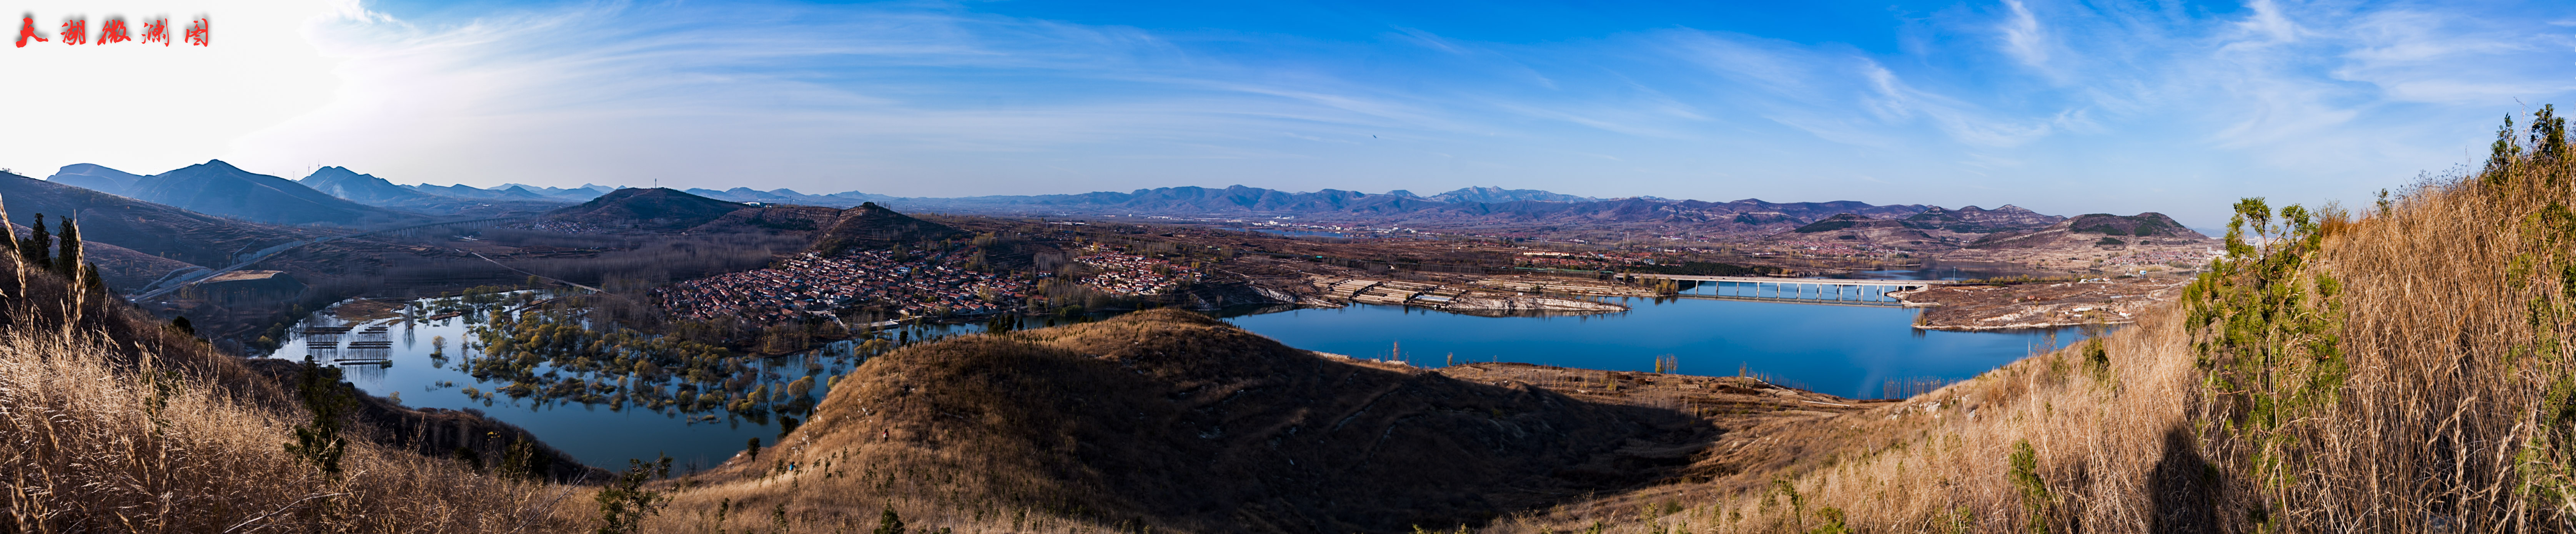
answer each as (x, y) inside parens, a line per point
(178, 280)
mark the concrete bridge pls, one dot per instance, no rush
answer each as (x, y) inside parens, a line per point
(1802, 290)
(183, 277)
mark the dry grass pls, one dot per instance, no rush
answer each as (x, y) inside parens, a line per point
(117, 424)
(2407, 371)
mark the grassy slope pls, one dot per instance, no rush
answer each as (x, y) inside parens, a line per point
(119, 424)
(2408, 371)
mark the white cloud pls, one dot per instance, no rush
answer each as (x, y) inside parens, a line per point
(153, 107)
(2022, 36)
(2277, 98)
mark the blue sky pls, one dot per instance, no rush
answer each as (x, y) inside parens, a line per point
(2065, 108)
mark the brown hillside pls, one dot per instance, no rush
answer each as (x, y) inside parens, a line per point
(2148, 228)
(772, 219)
(116, 422)
(219, 188)
(1851, 229)
(1174, 421)
(146, 227)
(126, 269)
(659, 208)
(872, 226)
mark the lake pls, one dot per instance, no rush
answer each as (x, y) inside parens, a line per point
(1837, 349)
(1842, 350)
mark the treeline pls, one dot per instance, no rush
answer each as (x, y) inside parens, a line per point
(596, 260)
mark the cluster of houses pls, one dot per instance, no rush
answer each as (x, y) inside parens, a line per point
(809, 285)
(2176, 257)
(1133, 275)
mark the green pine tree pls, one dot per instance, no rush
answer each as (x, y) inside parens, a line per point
(889, 523)
(320, 442)
(39, 249)
(67, 261)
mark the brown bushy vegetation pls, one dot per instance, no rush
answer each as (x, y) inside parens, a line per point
(111, 420)
(2406, 370)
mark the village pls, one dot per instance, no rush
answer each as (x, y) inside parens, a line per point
(811, 286)
(1134, 275)
(910, 284)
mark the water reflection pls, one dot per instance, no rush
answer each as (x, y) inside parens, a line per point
(1858, 351)
(596, 402)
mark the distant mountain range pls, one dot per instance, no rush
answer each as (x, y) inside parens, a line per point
(1494, 195)
(340, 196)
(218, 188)
(208, 213)
(180, 236)
(333, 196)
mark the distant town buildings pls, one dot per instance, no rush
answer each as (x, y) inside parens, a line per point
(811, 286)
(1133, 275)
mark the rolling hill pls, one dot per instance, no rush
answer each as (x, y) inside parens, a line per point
(96, 178)
(146, 227)
(659, 208)
(2148, 228)
(1466, 208)
(471, 192)
(1169, 421)
(361, 188)
(1496, 195)
(218, 188)
(872, 226)
(1975, 220)
(370, 190)
(780, 196)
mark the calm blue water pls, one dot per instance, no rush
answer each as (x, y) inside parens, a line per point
(593, 433)
(1841, 350)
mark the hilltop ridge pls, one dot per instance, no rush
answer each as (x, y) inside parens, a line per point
(218, 188)
(1171, 421)
(179, 234)
(872, 226)
(655, 208)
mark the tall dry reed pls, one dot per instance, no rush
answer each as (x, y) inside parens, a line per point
(110, 422)
(2407, 369)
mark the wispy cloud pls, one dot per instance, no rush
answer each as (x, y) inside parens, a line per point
(2275, 98)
